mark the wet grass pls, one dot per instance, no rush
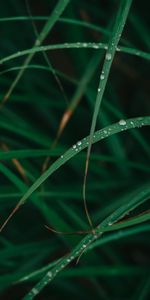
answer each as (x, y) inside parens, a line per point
(74, 150)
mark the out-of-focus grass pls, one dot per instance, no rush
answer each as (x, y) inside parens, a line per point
(114, 263)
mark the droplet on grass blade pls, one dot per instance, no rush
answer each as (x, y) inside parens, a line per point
(102, 77)
(108, 56)
(122, 122)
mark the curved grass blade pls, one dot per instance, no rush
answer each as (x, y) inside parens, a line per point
(134, 200)
(99, 135)
(113, 236)
(77, 45)
(119, 234)
(61, 20)
(112, 45)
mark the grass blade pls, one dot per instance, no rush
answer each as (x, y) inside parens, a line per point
(99, 135)
(112, 45)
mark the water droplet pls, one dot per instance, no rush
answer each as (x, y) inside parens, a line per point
(99, 90)
(122, 122)
(61, 156)
(84, 246)
(95, 236)
(49, 274)
(74, 146)
(35, 291)
(84, 44)
(79, 143)
(95, 46)
(108, 56)
(102, 77)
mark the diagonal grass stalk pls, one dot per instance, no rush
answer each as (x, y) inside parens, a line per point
(99, 135)
(112, 45)
(77, 45)
(134, 201)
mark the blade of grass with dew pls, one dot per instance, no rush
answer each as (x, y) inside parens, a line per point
(112, 45)
(77, 45)
(101, 134)
(119, 234)
(113, 236)
(58, 10)
(132, 203)
(80, 90)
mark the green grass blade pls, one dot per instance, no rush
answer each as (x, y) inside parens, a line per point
(77, 45)
(112, 45)
(134, 200)
(99, 135)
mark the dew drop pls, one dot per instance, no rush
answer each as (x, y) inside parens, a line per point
(49, 274)
(110, 223)
(102, 77)
(108, 56)
(35, 291)
(95, 46)
(99, 90)
(137, 53)
(122, 122)
(79, 143)
(74, 147)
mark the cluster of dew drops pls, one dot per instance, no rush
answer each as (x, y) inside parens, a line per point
(78, 146)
